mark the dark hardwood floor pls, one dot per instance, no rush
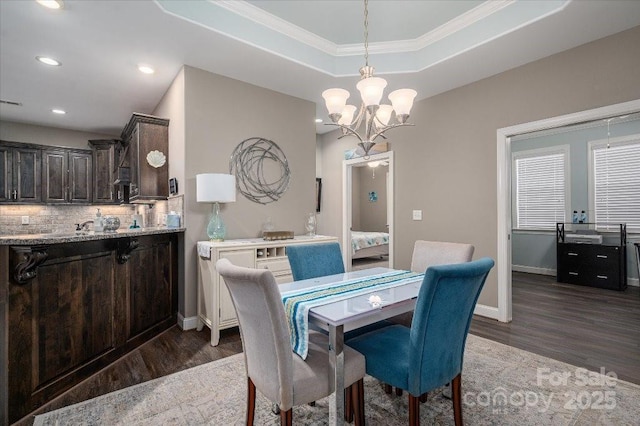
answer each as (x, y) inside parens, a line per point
(583, 326)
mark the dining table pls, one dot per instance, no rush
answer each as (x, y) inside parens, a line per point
(353, 310)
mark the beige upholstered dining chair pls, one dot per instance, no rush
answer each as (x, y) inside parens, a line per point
(272, 367)
(431, 253)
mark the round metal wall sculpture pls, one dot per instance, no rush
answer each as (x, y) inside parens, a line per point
(249, 162)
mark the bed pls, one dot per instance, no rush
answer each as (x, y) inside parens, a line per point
(369, 244)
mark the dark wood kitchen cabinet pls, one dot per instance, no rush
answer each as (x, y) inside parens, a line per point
(145, 134)
(72, 308)
(106, 157)
(67, 176)
(20, 166)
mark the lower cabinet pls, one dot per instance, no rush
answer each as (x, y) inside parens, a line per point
(595, 265)
(82, 306)
(215, 307)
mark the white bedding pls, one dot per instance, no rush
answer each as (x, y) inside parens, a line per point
(362, 240)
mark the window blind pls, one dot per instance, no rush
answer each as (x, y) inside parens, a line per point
(540, 191)
(616, 184)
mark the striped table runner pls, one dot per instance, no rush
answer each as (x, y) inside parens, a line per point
(297, 303)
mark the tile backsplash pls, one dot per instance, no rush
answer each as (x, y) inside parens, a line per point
(63, 218)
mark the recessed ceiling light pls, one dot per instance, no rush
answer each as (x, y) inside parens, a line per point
(51, 4)
(318, 120)
(48, 61)
(146, 69)
(58, 111)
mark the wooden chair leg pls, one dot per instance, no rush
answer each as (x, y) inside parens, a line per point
(286, 417)
(348, 404)
(357, 402)
(414, 410)
(387, 389)
(359, 406)
(423, 397)
(456, 393)
(251, 402)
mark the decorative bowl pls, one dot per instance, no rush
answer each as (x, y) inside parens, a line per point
(110, 223)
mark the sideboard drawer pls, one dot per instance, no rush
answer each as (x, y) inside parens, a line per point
(276, 266)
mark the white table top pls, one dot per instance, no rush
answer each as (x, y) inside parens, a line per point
(356, 311)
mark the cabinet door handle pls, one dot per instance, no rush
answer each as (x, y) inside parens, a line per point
(573, 273)
(572, 254)
(15, 194)
(602, 256)
(602, 277)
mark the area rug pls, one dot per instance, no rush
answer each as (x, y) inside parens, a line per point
(501, 385)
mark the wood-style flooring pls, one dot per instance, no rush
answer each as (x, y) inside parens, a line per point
(583, 326)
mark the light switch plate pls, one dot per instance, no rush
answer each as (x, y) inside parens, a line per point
(25, 220)
(417, 215)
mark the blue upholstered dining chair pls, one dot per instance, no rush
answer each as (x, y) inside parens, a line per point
(272, 368)
(315, 260)
(430, 353)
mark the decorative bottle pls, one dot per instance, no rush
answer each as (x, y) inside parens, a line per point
(583, 217)
(98, 225)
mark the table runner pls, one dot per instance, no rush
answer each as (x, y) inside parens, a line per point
(297, 303)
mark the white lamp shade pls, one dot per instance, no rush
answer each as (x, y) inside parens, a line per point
(335, 99)
(371, 89)
(384, 114)
(402, 100)
(347, 115)
(215, 187)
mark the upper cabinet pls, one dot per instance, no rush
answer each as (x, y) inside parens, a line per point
(106, 157)
(19, 173)
(67, 176)
(146, 140)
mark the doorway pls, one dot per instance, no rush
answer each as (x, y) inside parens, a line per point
(504, 140)
(359, 184)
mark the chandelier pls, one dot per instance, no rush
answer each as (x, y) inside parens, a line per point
(376, 117)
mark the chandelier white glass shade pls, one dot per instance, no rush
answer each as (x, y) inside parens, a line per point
(216, 188)
(377, 117)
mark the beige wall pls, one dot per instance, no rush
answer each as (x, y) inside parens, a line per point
(446, 164)
(172, 106)
(220, 113)
(29, 133)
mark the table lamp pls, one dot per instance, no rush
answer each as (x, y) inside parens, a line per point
(216, 188)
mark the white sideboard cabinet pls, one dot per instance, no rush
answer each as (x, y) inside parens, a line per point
(215, 308)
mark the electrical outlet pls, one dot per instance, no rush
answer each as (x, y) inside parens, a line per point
(25, 220)
(417, 215)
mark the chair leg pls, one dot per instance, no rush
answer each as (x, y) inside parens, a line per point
(423, 397)
(414, 410)
(387, 388)
(251, 402)
(286, 417)
(348, 404)
(359, 404)
(457, 399)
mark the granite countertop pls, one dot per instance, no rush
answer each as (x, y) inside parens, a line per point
(71, 237)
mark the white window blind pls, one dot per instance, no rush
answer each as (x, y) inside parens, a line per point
(541, 189)
(616, 184)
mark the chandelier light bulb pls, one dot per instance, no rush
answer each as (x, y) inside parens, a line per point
(335, 100)
(383, 115)
(347, 115)
(402, 100)
(371, 90)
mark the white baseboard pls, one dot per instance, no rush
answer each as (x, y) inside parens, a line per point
(533, 270)
(633, 282)
(486, 311)
(190, 323)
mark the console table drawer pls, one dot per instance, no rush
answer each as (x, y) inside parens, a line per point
(277, 266)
